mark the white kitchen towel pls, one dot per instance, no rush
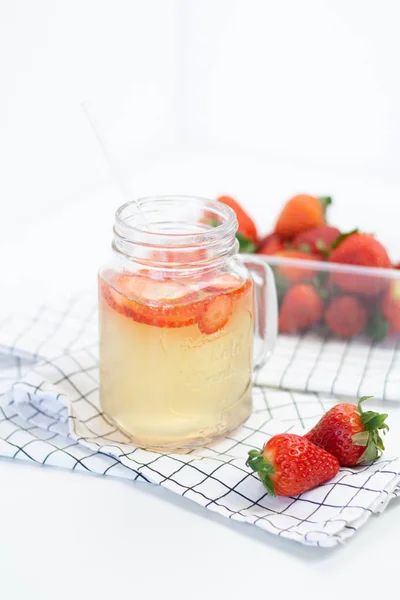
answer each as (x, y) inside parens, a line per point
(307, 362)
(321, 363)
(52, 417)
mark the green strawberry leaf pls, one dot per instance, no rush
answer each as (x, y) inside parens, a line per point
(360, 439)
(324, 294)
(319, 281)
(368, 416)
(321, 278)
(361, 400)
(373, 423)
(321, 246)
(378, 327)
(263, 468)
(377, 422)
(342, 237)
(379, 443)
(246, 246)
(325, 201)
(305, 248)
(370, 453)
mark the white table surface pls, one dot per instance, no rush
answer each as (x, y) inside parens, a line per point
(133, 538)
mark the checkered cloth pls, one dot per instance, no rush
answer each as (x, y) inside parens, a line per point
(319, 363)
(52, 416)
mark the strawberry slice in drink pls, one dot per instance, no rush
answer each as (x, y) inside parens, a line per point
(223, 283)
(167, 303)
(170, 303)
(216, 314)
(153, 291)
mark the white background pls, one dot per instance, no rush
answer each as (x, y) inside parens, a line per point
(256, 98)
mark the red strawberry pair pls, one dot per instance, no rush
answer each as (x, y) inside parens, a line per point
(346, 436)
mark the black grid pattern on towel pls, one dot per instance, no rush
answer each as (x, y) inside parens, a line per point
(52, 417)
(328, 365)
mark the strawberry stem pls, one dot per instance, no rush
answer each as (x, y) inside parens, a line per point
(246, 246)
(321, 246)
(257, 461)
(325, 201)
(373, 422)
(377, 327)
(305, 248)
(341, 238)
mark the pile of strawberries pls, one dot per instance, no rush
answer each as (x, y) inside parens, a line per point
(346, 436)
(345, 303)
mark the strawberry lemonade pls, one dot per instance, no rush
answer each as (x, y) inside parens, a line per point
(176, 358)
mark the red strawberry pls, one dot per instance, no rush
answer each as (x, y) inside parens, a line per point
(317, 240)
(346, 316)
(289, 465)
(215, 314)
(390, 306)
(295, 274)
(301, 307)
(271, 244)
(360, 249)
(247, 230)
(300, 213)
(350, 434)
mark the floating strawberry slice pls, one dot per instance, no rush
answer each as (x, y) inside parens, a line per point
(145, 289)
(245, 287)
(168, 312)
(216, 314)
(168, 303)
(223, 283)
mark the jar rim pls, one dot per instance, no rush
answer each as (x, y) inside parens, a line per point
(136, 241)
(227, 226)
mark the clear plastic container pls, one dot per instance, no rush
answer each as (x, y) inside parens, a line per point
(337, 300)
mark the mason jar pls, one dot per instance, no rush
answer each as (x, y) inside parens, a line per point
(179, 315)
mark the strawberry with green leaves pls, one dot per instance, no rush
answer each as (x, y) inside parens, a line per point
(271, 244)
(350, 434)
(300, 213)
(361, 250)
(247, 231)
(289, 465)
(317, 240)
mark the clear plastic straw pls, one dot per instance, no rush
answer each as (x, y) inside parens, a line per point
(114, 171)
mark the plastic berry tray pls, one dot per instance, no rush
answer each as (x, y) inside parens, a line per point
(336, 300)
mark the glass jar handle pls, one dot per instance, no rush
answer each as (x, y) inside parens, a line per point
(266, 309)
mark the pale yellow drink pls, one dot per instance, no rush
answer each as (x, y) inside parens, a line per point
(176, 387)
